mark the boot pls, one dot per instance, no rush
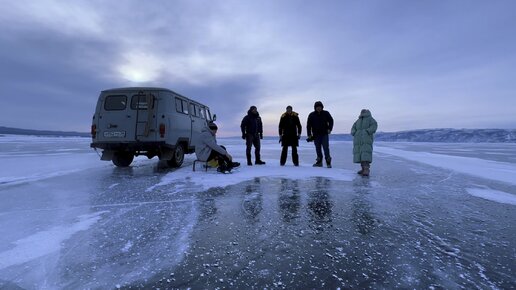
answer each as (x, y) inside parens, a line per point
(249, 162)
(361, 170)
(318, 163)
(223, 169)
(328, 162)
(366, 170)
(259, 162)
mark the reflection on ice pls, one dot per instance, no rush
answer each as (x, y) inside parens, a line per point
(410, 225)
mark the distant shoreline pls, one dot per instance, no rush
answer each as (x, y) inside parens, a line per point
(17, 131)
(446, 135)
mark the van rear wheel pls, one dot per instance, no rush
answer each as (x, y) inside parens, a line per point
(123, 159)
(178, 158)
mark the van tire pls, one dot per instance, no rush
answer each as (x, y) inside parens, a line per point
(178, 158)
(122, 159)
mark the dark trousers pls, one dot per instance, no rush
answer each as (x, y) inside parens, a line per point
(284, 152)
(324, 141)
(252, 140)
(223, 160)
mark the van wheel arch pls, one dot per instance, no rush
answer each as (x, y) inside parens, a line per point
(178, 156)
(123, 158)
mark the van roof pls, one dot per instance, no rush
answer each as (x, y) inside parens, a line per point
(147, 89)
(138, 89)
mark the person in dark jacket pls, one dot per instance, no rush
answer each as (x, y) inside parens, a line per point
(363, 136)
(208, 149)
(318, 127)
(252, 132)
(289, 132)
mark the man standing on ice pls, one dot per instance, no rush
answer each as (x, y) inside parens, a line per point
(252, 132)
(318, 127)
(289, 132)
(362, 131)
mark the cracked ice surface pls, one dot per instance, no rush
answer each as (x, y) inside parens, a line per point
(424, 219)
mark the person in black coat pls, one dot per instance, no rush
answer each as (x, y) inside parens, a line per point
(289, 132)
(252, 132)
(319, 126)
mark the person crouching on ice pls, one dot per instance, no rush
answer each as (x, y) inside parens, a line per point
(207, 149)
(362, 131)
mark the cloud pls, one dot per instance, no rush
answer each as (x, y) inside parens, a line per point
(430, 64)
(66, 17)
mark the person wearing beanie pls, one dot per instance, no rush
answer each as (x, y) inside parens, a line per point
(207, 149)
(252, 132)
(363, 136)
(318, 127)
(289, 132)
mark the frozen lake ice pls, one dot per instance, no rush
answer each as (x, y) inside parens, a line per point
(432, 215)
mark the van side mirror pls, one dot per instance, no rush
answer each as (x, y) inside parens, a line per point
(214, 117)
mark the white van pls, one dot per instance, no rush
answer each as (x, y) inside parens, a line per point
(137, 121)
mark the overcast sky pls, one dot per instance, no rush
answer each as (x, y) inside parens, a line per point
(414, 64)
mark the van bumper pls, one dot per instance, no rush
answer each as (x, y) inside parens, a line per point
(133, 146)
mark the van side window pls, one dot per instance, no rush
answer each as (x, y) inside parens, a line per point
(194, 110)
(208, 115)
(202, 114)
(140, 102)
(185, 107)
(179, 105)
(115, 103)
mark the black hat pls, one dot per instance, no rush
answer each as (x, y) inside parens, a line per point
(212, 126)
(252, 108)
(318, 104)
(289, 107)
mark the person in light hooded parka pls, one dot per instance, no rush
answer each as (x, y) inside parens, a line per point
(207, 149)
(363, 136)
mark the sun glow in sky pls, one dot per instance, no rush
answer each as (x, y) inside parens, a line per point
(140, 67)
(422, 64)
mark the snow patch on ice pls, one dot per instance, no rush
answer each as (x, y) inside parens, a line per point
(493, 195)
(45, 242)
(499, 171)
(127, 247)
(113, 185)
(205, 180)
(14, 170)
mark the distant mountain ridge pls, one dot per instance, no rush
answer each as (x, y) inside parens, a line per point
(447, 135)
(17, 131)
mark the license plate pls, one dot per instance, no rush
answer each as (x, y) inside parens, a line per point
(114, 134)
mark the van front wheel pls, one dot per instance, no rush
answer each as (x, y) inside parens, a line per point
(123, 159)
(178, 158)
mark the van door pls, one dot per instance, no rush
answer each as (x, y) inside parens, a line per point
(180, 124)
(198, 122)
(144, 104)
(114, 121)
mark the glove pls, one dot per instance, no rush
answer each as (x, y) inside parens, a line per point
(329, 131)
(279, 141)
(298, 137)
(243, 136)
(261, 135)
